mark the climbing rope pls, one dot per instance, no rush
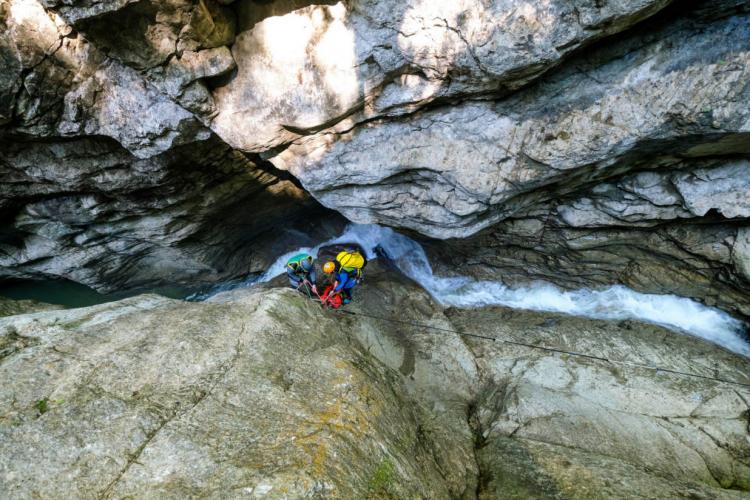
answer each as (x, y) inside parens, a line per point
(657, 369)
(304, 289)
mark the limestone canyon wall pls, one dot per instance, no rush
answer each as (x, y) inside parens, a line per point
(582, 142)
(108, 181)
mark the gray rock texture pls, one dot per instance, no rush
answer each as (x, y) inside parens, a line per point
(62, 86)
(680, 229)
(586, 143)
(301, 71)
(186, 142)
(586, 125)
(741, 252)
(627, 164)
(452, 171)
(88, 211)
(108, 180)
(648, 198)
(10, 307)
(261, 393)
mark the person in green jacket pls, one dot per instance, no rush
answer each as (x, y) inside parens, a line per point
(300, 270)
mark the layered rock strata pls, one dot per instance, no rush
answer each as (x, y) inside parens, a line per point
(583, 142)
(107, 179)
(366, 59)
(301, 65)
(680, 229)
(648, 101)
(626, 165)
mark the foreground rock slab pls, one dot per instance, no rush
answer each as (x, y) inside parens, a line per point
(261, 393)
(199, 412)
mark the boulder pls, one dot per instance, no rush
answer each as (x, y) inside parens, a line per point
(259, 392)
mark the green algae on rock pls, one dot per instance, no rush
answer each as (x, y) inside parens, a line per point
(10, 307)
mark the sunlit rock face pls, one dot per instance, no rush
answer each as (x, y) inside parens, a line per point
(60, 85)
(454, 170)
(301, 71)
(106, 179)
(175, 44)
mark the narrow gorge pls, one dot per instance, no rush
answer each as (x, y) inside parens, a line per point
(553, 196)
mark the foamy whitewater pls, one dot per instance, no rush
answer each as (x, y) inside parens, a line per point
(616, 302)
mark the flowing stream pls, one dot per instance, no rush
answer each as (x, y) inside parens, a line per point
(616, 302)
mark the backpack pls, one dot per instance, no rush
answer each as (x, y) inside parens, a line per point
(351, 261)
(333, 302)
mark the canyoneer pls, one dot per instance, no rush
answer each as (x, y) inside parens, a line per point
(347, 273)
(300, 270)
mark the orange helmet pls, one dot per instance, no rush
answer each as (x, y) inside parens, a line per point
(328, 267)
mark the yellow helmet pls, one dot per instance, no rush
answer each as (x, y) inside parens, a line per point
(328, 267)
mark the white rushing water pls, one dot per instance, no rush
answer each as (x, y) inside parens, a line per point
(616, 302)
